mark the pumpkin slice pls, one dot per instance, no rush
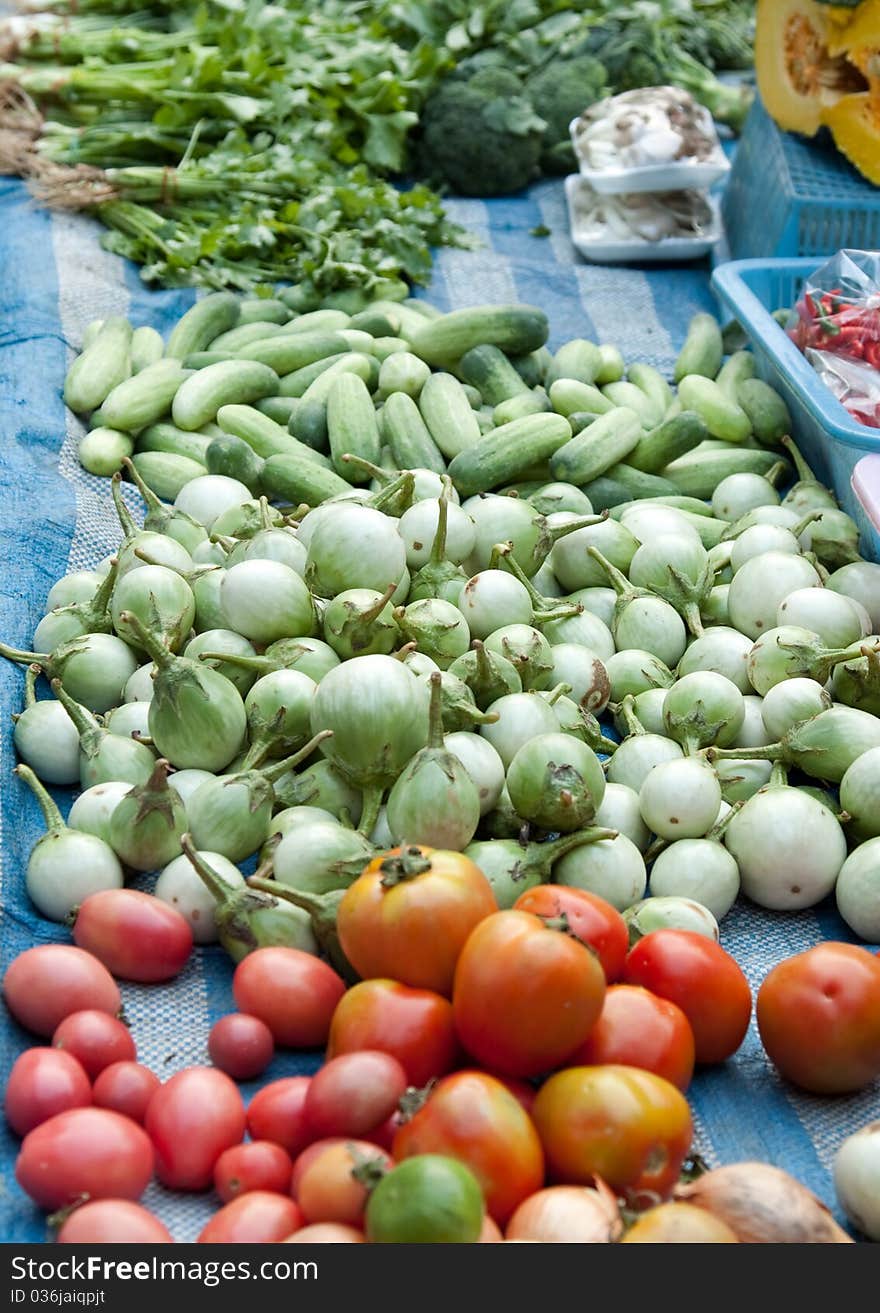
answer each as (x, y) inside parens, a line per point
(798, 76)
(855, 125)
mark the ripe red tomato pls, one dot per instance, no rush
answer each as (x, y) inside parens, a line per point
(112, 1222)
(191, 1119)
(638, 1029)
(354, 1093)
(86, 1151)
(474, 1118)
(413, 1025)
(705, 982)
(524, 1093)
(409, 914)
(42, 1083)
(591, 920)
(335, 1183)
(293, 992)
(136, 936)
(819, 1018)
(526, 996)
(259, 1165)
(628, 1126)
(240, 1045)
(126, 1087)
(45, 984)
(258, 1217)
(95, 1039)
(277, 1113)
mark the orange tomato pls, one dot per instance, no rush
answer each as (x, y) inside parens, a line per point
(638, 1029)
(335, 1185)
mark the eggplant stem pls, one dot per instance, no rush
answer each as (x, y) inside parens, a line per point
(153, 502)
(129, 528)
(372, 801)
(31, 675)
(51, 815)
(220, 889)
(82, 718)
(279, 768)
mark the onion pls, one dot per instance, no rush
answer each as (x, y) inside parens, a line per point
(567, 1214)
(763, 1205)
(857, 1179)
(679, 1223)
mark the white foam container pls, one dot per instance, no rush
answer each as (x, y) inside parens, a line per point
(638, 250)
(678, 175)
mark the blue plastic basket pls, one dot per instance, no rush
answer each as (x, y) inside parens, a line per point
(786, 196)
(832, 441)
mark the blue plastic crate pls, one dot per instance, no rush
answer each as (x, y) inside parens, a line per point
(832, 441)
(787, 196)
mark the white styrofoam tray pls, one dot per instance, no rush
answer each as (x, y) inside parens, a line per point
(638, 250)
(678, 175)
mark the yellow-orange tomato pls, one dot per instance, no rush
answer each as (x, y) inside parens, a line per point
(326, 1233)
(626, 1125)
(408, 916)
(328, 1189)
(679, 1224)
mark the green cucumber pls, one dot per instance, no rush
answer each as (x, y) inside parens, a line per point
(579, 358)
(351, 426)
(202, 359)
(568, 396)
(734, 371)
(255, 330)
(653, 384)
(507, 453)
(702, 351)
(92, 329)
(766, 409)
(611, 364)
(605, 493)
(318, 321)
(608, 440)
(451, 420)
(384, 347)
(102, 451)
(287, 352)
(403, 372)
(309, 422)
(233, 457)
(264, 435)
(516, 329)
(639, 485)
(488, 370)
(278, 408)
(533, 368)
(164, 473)
(224, 384)
(723, 418)
(203, 322)
(145, 397)
(406, 433)
(582, 419)
(420, 307)
(633, 398)
(260, 309)
(671, 439)
(699, 472)
(168, 438)
(147, 346)
(297, 384)
(533, 402)
(293, 479)
(474, 396)
(103, 365)
(376, 323)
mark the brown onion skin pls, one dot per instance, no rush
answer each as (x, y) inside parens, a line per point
(764, 1205)
(679, 1224)
(565, 1214)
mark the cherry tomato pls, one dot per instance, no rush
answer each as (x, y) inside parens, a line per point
(126, 1087)
(95, 1039)
(819, 1018)
(590, 919)
(413, 1025)
(703, 980)
(409, 914)
(474, 1118)
(42, 1083)
(335, 1185)
(326, 1233)
(258, 1217)
(630, 1127)
(526, 996)
(259, 1165)
(191, 1119)
(638, 1029)
(45, 984)
(112, 1222)
(86, 1151)
(240, 1045)
(136, 936)
(293, 992)
(277, 1113)
(354, 1093)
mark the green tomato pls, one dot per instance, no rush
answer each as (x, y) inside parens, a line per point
(426, 1200)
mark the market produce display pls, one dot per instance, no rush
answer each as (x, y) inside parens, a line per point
(362, 641)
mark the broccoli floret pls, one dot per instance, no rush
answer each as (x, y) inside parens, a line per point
(561, 92)
(481, 137)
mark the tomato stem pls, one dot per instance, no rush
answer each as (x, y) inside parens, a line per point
(408, 864)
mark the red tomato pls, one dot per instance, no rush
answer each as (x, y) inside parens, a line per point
(413, 1025)
(335, 1184)
(86, 1151)
(522, 1091)
(45, 984)
(42, 1083)
(472, 1117)
(819, 1018)
(293, 992)
(703, 980)
(383, 1135)
(409, 914)
(277, 1113)
(136, 936)
(590, 919)
(326, 1233)
(630, 1127)
(126, 1087)
(526, 996)
(638, 1029)
(259, 1165)
(354, 1093)
(191, 1119)
(258, 1217)
(112, 1222)
(95, 1039)
(240, 1045)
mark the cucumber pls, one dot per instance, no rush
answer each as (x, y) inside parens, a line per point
(582, 419)
(202, 359)
(677, 501)
(633, 398)
(351, 426)
(639, 485)
(147, 346)
(293, 479)
(406, 433)
(768, 413)
(533, 402)
(734, 371)
(376, 323)
(298, 383)
(232, 456)
(579, 358)
(567, 396)
(485, 419)
(286, 352)
(650, 381)
(103, 450)
(164, 473)
(278, 408)
(92, 329)
(383, 347)
(318, 321)
(723, 418)
(607, 440)
(242, 335)
(309, 423)
(103, 365)
(516, 329)
(300, 299)
(611, 365)
(232, 381)
(671, 439)
(260, 309)
(423, 308)
(488, 370)
(203, 322)
(403, 372)
(445, 408)
(702, 351)
(474, 396)
(699, 472)
(507, 453)
(533, 367)
(263, 435)
(146, 397)
(166, 437)
(605, 493)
